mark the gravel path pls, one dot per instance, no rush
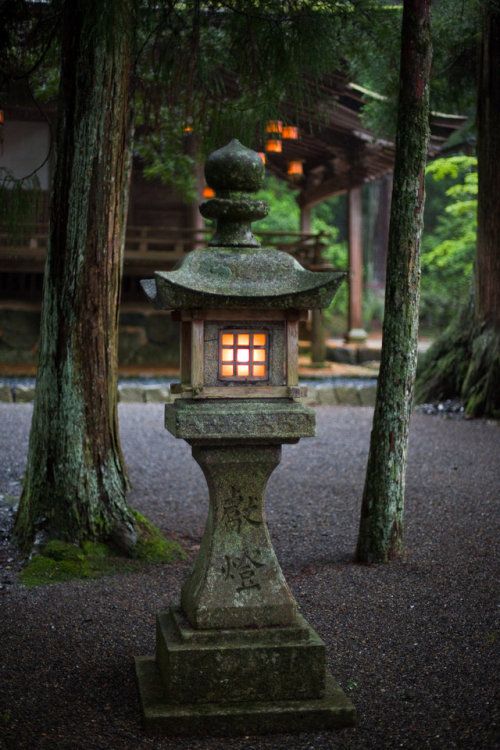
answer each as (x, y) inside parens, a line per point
(414, 642)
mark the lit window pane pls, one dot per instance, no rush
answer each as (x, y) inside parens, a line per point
(259, 371)
(243, 339)
(259, 339)
(243, 355)
(243, 371)
(227, 355)
(227, 339)
(227, 371)
(259, 355)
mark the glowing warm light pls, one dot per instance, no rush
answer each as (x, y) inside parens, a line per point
(243, 356)
(262, 156)
(2, 117)
(208, 192)
(188, 128)
(274, 126)
(295, 168)
(274, 146)
(290, 132)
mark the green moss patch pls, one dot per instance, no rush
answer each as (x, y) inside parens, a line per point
(62, 561)
(151, 545)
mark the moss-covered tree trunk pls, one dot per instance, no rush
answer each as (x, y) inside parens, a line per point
(75, 481)
(381, 527)
(464, 362)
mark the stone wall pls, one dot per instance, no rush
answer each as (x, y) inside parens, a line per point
(146, 338)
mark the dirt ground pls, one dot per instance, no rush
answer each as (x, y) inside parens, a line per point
(414, 643)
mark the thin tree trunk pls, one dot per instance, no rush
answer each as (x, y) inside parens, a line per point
(381, 526)
(75, 480)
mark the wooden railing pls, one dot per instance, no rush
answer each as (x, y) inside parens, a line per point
(147, 248)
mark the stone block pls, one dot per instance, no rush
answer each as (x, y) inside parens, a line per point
(135, 319)
(157, 395)
(6, 393)
(23, 394)
(19, 328)
(327, 396)
(367, 395)
(155, 354)
(130, 340)
(231, 667)
(12, 356)
(269, 419)
(344, 355)
(161, 329)
(332, 710)
(347, 396)
(130, 394)
(369, 354)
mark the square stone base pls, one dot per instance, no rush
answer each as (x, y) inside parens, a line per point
(333, 710)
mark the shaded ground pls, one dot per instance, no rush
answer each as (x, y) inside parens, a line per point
(414, 642)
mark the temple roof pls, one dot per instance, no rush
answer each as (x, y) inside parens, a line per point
(338, 150)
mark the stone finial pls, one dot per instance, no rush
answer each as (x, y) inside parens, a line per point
(234, 167)
(234, 171)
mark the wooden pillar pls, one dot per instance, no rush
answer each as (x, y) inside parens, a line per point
(318, 348)
(356, 332)
(305, 219)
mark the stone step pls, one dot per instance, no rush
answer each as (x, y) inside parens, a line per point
(318, 394)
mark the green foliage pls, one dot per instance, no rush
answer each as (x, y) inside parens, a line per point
(455, 32)
(449, 238)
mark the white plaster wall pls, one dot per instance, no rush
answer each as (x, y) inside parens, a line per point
(24, 147)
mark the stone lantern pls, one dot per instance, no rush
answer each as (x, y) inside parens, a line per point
(237, 656)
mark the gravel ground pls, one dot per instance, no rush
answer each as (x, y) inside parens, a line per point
(413, 642)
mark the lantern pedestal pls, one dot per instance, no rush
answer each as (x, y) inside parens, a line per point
(237, 657)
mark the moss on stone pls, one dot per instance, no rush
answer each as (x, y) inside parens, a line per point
(151, 545)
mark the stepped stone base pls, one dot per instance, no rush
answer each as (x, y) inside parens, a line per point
(332, 711)
(239, 681)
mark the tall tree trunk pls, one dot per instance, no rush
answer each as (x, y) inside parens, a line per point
(75, 481)
(381, 527)
(464, 362)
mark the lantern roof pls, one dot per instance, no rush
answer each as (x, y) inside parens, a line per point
(234, 270)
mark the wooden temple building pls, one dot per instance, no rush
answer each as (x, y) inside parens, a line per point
(335, 153)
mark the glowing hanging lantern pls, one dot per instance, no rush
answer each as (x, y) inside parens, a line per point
(188, 128)
(274, 146)
(295, 168)
(208, 192)
(262, 156)
(2, 118)
(290, 132)
(274, 126)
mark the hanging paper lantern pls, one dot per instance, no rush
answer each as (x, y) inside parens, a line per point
(290, 132)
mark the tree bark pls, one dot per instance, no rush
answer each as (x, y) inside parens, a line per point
(488, 158)
(75, 481)
(465, 361)
(381, 526)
